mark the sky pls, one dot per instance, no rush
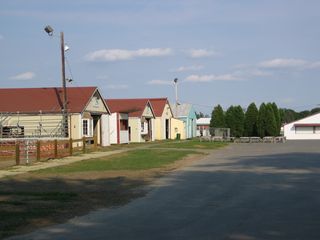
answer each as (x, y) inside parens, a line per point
(226, 52)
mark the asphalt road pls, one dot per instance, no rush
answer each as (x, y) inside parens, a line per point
(242, 192)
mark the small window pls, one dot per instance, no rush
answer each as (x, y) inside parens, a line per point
(144, 128)
(12, 131)
(87, 126)
(123, 124)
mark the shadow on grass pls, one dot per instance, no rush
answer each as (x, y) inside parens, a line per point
(234, 199)
(31, 203)
(271, 196)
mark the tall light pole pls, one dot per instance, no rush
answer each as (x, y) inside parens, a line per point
(49, 31)
(175, 82)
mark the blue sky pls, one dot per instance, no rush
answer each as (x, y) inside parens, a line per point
(226, 52)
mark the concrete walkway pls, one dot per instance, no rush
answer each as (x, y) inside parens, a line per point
(57, 162)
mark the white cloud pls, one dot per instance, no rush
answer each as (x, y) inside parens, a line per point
(212, 77)
(24, 76)
(249, 73)
(160, 82)
(314, 65)
(283, 63)
(117, 86)
(188, 68)
(199, 53)
(259, 73)
(110, 55)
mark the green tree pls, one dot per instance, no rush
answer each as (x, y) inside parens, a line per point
(230, 121)
(277, 118)
(304, 114)
(270, 121)
(235, 120)
(238, 115)
(315, 110)
(217, 118)
(199, 115)
(250, 121)
(261, 123)
(288, 115)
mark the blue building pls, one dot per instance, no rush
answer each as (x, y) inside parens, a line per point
(187, 114)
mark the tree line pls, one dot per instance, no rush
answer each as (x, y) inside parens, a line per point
(265, 121)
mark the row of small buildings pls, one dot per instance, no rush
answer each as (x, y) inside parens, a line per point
(38, 113)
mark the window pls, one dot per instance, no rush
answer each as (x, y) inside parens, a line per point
(87, 127)
(304, 130)
(144, 128)
(124, 124)
(12, 131)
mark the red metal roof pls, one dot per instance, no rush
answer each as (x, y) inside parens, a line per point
(47, 100)
(134, 106)
(158, 105)
(307, 125)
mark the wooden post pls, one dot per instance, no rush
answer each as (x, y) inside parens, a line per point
(17, 153)
(70, 147)
(38, 150)
(55, 148)
(95, 142)
(84, 144)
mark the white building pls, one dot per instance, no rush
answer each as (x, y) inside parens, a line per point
(304, 129)
(203, 127)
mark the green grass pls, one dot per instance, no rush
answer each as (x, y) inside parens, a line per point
(141, 159)
(128, 146)
(56, 196)
(21, 208)
(192, 144)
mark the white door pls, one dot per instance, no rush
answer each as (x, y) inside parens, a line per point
(105, 132)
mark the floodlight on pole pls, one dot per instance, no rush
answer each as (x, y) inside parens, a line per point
(49, 30)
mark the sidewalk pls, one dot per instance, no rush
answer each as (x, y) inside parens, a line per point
(56, 162)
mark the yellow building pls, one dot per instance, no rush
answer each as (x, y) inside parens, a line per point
(163, 115)
(178, 129)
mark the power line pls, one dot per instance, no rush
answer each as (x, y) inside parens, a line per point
(69, 68)
(200, 105)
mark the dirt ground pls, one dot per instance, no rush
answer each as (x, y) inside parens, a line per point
(85, 192)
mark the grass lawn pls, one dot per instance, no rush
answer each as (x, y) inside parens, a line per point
(192, 144)
(124, 146)
(140, 159)
(42, 197)
(19, 208)
(53, 195)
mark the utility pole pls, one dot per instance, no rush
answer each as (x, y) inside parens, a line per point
(64, 87)
(49, 31)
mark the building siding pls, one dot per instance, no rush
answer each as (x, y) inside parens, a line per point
(309, 132)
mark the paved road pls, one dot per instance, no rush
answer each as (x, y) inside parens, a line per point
(243, 192)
